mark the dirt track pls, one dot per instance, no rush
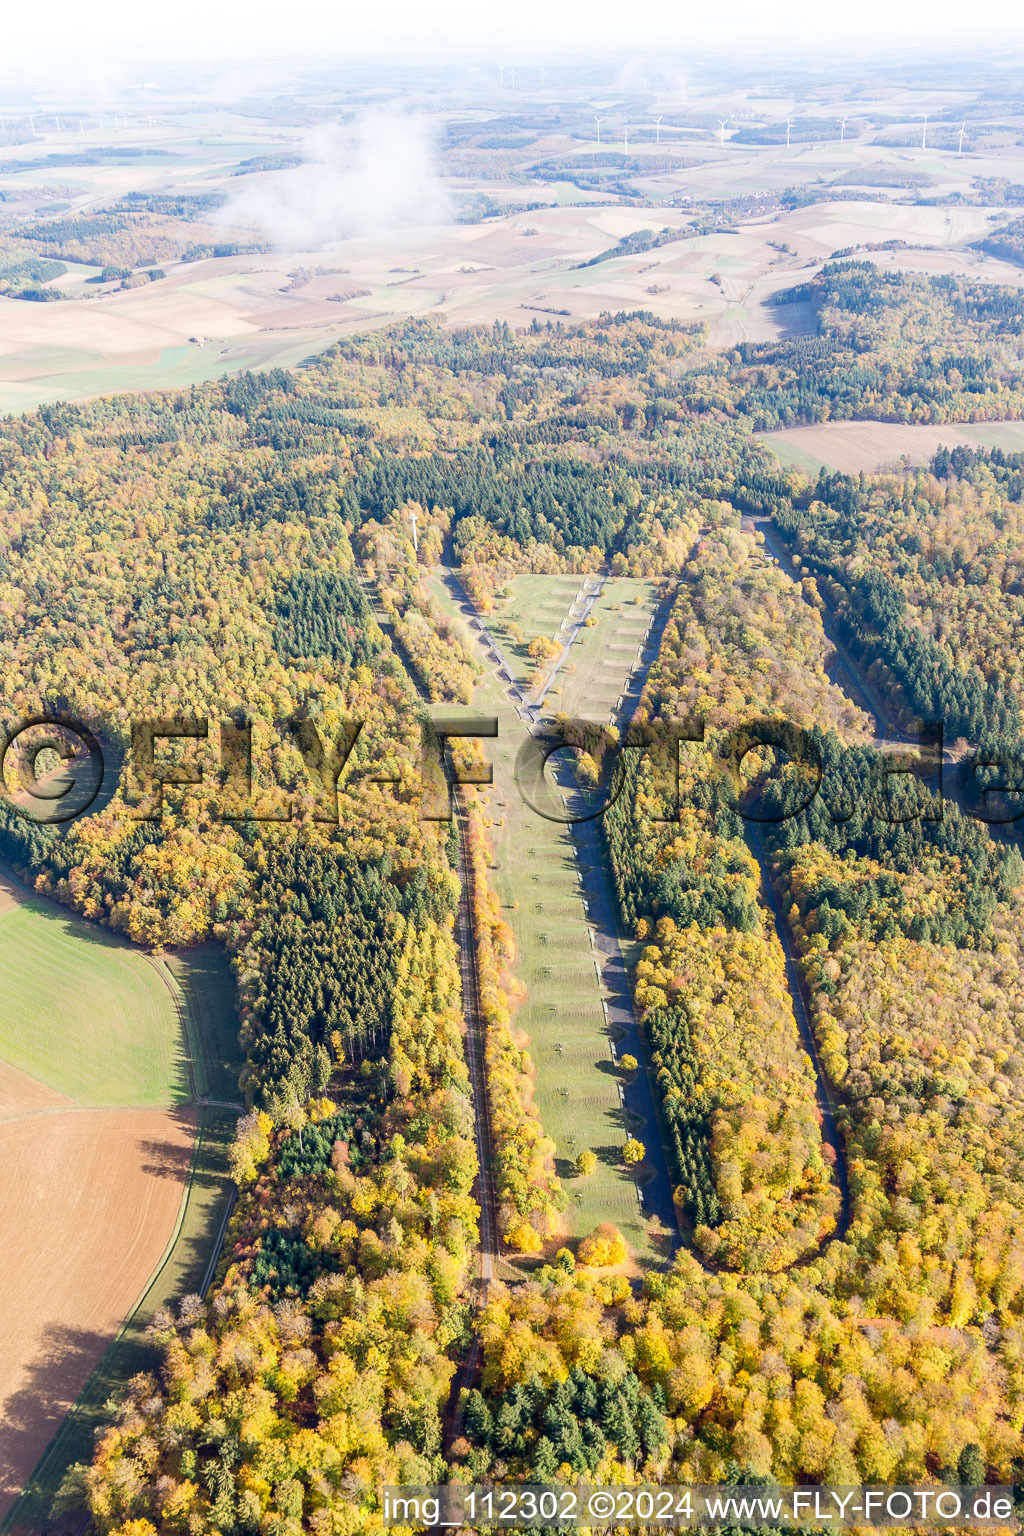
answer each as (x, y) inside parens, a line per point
(88, 1201)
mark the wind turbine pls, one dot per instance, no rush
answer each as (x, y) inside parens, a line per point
(598, 121)
(57, 122)
(963, 130)
(415, 536)
(842, 131)
(924, 133)
(789, 124)
(512, 77)
(542, 77)
(625, 138)
(32, 126)
(657, 129)
(501, 75)
(721, 131)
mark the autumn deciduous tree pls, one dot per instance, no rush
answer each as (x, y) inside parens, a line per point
(605, 1246)
(541, 648)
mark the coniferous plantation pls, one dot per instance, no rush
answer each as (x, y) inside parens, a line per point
(828, 985)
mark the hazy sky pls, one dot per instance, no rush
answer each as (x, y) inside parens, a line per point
(69, 43)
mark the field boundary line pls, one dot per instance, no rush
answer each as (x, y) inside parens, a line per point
(218, 1244)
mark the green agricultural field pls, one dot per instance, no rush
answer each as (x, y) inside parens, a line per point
(177, 368)
(86, 1014)
(1008, 435)
(793, 457)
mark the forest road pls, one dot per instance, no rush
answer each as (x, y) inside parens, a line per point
(801, 1011)
(477, 1063)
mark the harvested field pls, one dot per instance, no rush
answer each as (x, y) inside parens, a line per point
(90, 1200)
(852, 446)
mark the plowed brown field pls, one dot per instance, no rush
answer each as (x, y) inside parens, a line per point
(89, 1199)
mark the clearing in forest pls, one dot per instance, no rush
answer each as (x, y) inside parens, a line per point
(536, 606)
(592, 680)
(536, 875)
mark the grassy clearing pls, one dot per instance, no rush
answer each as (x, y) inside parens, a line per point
(538, 605)
(208, 989)
(86, 1014)
(181, 1271)
(177, 368)
(593, 679)
(536, 876)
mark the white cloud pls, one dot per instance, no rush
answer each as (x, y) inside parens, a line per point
(368, 177)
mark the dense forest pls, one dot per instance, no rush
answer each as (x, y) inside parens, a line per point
(923, 569)
(242, 554)
(890, 346)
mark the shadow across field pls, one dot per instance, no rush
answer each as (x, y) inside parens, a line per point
(166, 1159)
(184, 1270)
(66, 1357)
